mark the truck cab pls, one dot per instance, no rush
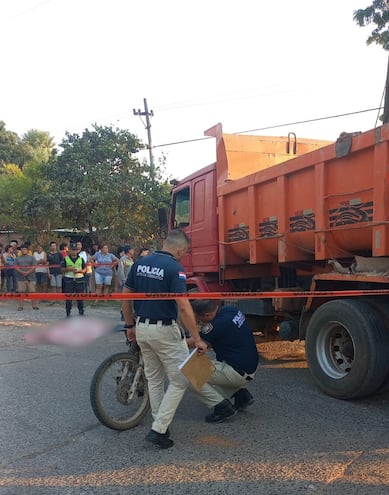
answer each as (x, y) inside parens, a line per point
(194, 210)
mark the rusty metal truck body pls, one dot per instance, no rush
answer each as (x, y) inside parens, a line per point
(288, 214)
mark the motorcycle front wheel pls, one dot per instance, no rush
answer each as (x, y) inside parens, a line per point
(118, 393)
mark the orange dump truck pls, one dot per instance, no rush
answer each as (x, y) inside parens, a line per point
(293, 215)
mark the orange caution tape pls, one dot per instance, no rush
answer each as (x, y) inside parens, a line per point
(117, 296)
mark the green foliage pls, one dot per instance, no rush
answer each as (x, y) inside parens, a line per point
(95, 183)
(26, 203)
(377, 13)
(35, 146)
(11, 148)
(14, 187)
(99, 184)
(38, 146)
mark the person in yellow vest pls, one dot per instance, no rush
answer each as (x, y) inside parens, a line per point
(73, 269)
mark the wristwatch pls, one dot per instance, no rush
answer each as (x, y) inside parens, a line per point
(129, 326)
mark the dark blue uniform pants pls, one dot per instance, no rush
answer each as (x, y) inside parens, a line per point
(77, 286)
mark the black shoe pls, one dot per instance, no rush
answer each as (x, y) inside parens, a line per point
(160, 439)
(81, 313)
(222, 411)
(243, 399)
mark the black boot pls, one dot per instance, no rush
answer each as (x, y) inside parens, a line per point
(243, 399)
(161, 440)
(222, 411)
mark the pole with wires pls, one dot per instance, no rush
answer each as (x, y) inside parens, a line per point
(146, 113)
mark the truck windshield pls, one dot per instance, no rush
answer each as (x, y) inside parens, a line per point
(181, 212)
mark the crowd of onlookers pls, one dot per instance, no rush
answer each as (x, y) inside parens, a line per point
(32, 268)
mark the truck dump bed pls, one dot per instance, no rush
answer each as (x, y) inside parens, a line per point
(330, 201)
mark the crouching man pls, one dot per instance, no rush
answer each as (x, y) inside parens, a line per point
(225, 330)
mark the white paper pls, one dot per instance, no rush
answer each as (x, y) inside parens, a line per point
(180, 366)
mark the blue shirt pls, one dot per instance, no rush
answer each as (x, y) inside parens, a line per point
(158, 272)
(232, 339)
(105, 269)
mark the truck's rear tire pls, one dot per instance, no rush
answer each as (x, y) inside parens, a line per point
(383, 310)
(347, 349)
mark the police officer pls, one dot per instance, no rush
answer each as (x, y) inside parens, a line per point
(228, 333)
(162, 343)
(73, 269)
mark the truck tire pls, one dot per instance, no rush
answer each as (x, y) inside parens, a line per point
(347, 349)
(383, 310)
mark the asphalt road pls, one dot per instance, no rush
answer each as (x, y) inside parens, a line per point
(293, 440)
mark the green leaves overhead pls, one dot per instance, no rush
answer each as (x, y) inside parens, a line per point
(377, 13)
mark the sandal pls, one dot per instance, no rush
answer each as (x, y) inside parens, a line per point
(36, 307)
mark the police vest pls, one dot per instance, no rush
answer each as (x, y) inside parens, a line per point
(76, 264)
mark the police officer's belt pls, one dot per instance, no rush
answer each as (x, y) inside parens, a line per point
(152, 321)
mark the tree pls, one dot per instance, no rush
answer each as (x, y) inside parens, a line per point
(378, 14)
(14, 187)
(10, 147)
(139, 206)
(25, 201)
(99, 184)
(33, 146)
(38, 145)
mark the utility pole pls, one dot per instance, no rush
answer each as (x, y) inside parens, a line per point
(146, 113)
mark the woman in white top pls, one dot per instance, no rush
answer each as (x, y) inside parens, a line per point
(41, 274)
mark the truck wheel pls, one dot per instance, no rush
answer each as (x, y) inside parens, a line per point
(383, 310)
(346, 348)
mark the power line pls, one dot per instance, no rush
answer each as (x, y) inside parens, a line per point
(318, 119)
(221, 98)
(310, 120)
(213, 100)
(31, 8)
(182, 142)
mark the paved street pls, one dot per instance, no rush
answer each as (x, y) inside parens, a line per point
(293, 440)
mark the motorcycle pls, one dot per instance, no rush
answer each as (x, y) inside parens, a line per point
(118, 392)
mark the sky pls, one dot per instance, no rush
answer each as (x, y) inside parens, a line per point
(252, 64)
